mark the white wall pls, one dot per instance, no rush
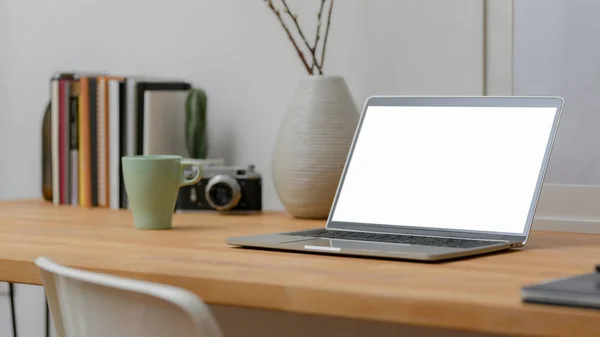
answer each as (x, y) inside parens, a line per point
(556, 53)
(233, 49)
(237, 51)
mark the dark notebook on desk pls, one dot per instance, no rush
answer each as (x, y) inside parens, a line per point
(574, 291)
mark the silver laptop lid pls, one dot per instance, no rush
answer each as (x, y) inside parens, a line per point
(449, 166)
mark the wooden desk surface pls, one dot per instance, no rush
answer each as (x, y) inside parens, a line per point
(478, 294)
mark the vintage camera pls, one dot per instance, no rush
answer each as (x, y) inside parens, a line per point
(223, 188)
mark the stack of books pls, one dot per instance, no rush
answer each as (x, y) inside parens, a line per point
(98, 118)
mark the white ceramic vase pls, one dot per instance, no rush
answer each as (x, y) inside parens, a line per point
(312, 144)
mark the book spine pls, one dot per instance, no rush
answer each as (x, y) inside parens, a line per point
(131, 117)
(93, 108)
(139, 115)
(74, 142)
(100, 144)
(105, 149)
(85, 189)
(54, 136)
(67, 140)
(123, 129)
(114, 143)
(62, 140)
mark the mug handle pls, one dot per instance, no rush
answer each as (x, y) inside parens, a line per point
(182, 180)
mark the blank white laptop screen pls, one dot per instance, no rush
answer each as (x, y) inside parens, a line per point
(462, 168)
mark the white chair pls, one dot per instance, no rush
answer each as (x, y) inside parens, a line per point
(88, 304)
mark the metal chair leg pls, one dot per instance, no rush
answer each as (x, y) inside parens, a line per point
(47, 319)
(11, 293)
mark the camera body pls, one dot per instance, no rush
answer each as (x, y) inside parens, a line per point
(223, 188)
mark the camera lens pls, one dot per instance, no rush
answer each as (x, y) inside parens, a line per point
(223, 192)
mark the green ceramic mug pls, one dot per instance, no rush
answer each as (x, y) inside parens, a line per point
(152, 184)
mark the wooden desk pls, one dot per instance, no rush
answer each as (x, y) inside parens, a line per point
(479, 294)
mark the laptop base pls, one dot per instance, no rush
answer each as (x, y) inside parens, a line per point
(306, 244)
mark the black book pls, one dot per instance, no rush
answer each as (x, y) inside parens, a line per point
(575, 291)
(143, 86)
(94, 139)
(122, 141)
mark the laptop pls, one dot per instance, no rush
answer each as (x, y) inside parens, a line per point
(435, 178)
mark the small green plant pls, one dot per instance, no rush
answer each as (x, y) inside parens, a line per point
(316, 65)
(195, 122)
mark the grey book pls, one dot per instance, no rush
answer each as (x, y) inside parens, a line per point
(574, 291)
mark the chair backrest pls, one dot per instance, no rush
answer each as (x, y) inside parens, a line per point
(89, 304)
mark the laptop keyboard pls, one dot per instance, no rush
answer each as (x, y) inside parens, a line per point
(394, 238)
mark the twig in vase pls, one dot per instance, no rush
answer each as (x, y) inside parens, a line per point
(312, 50)
(326, 33)
(289, 34)
(319, 16)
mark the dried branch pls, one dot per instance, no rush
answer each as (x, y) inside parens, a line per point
(319, 16)
(312, 50)
(289, 34)
(326, 33)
